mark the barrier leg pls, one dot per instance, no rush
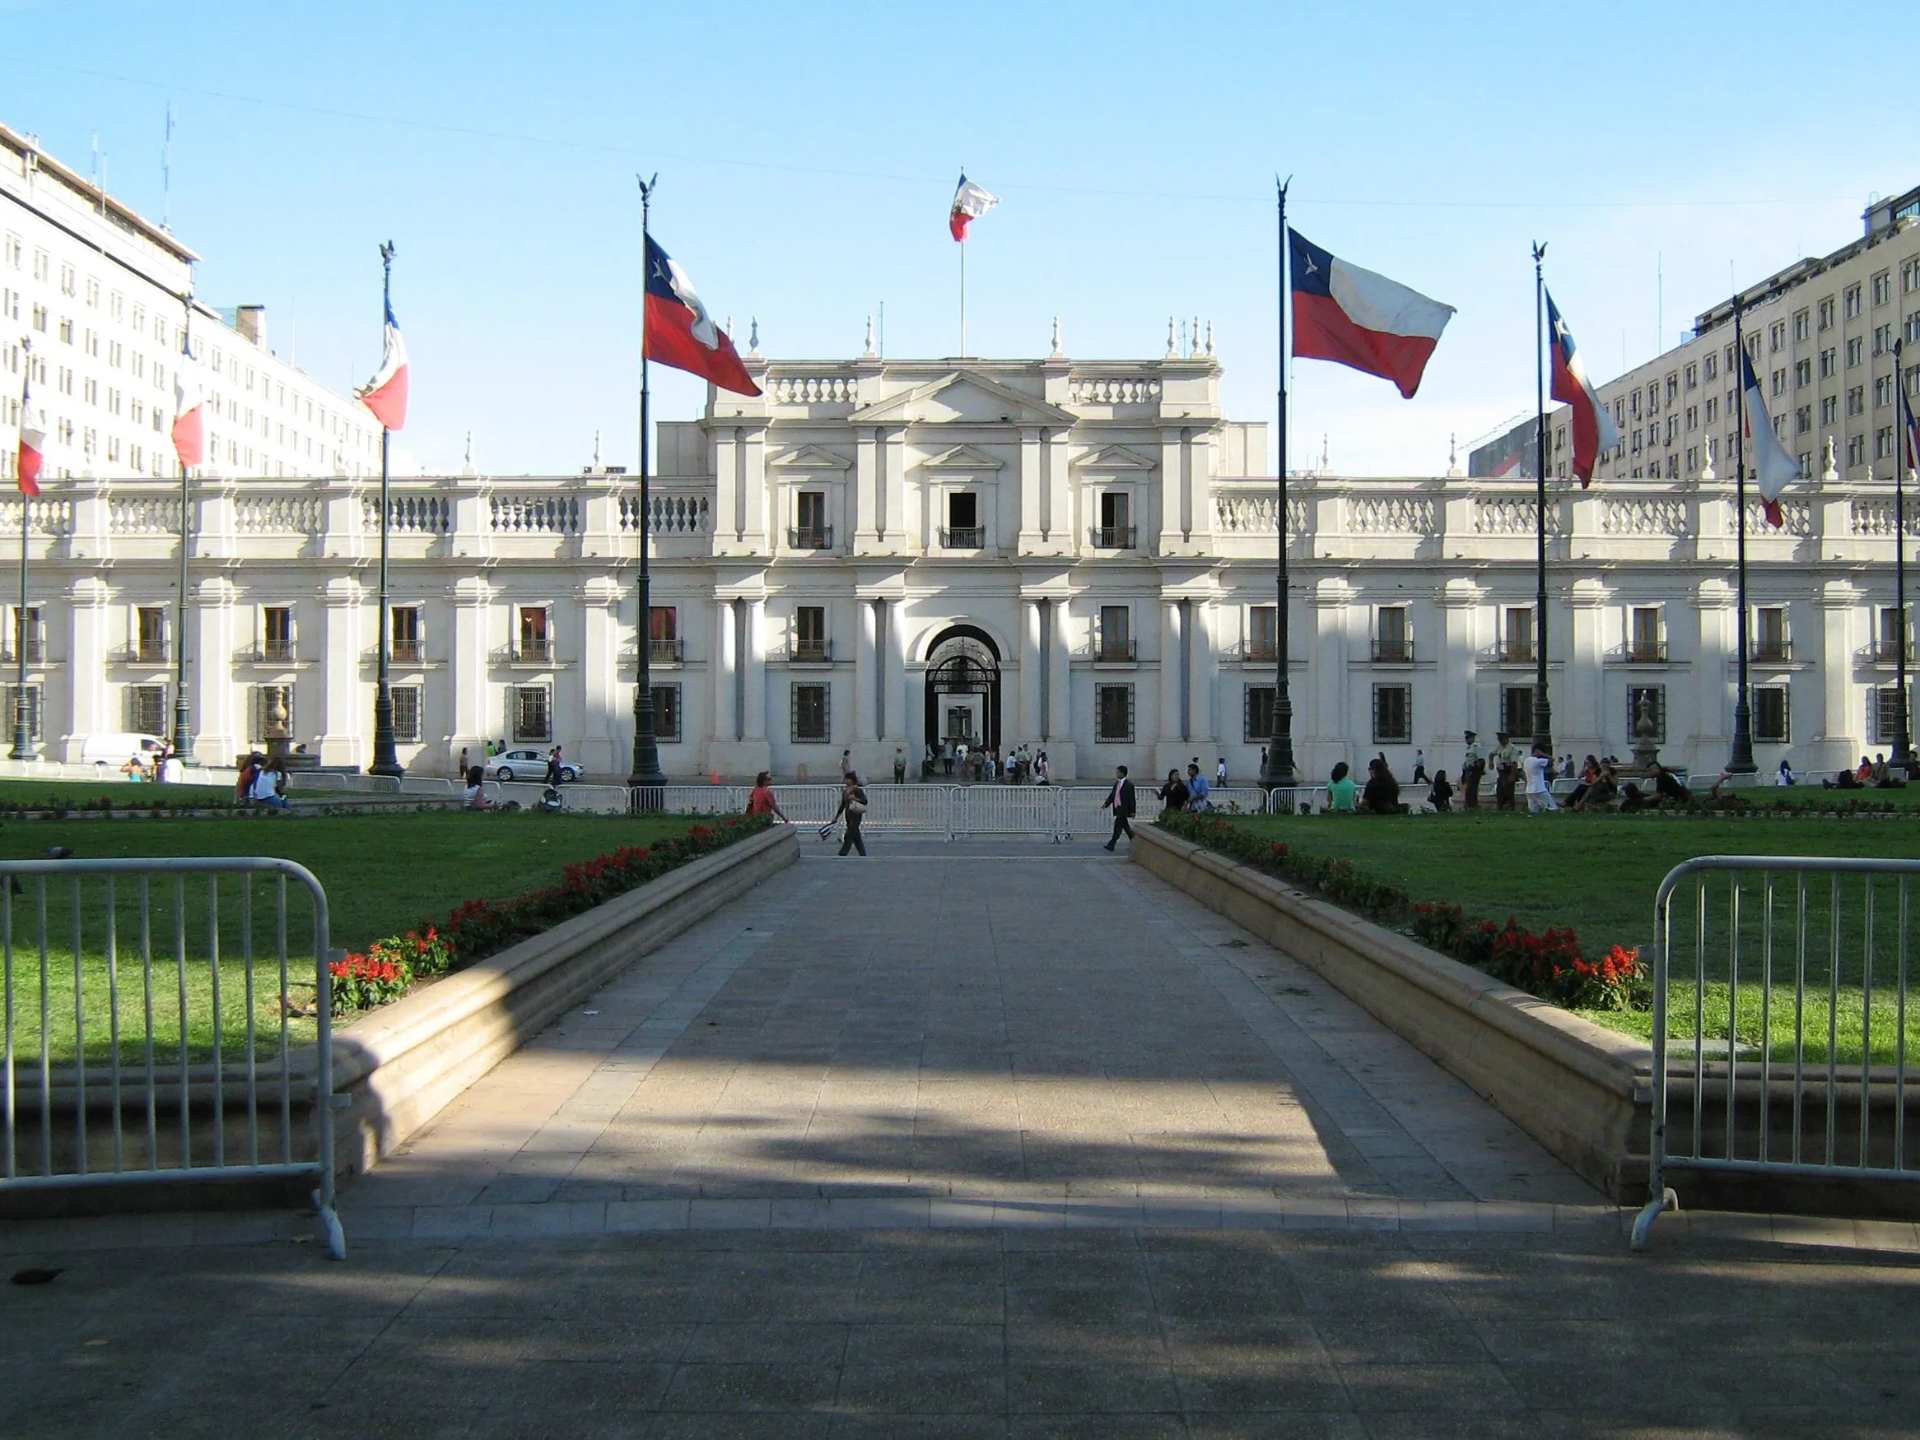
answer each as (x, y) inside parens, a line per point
(1643, 1222)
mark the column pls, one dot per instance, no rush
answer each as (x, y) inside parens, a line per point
(896, 724)
(475, 718)
(1334, 731)
(1579, 698)
(1056, 512)
(86, 663)
(1834, 716)
(864, 519)
(1704, 745)
(1032, 676)
(1033, 484)
(1164, 516)
(1171, 726)
(865, 726)
(1060, 716)
(605, 697)
(1203, 672)
(344, 707)
(724, 664)
(754, 670)
(219, 714)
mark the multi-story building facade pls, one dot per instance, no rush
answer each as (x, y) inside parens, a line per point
(878, 555)
(105, 300)
(1821, 336)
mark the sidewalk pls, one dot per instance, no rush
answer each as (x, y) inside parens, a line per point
(970, 1139)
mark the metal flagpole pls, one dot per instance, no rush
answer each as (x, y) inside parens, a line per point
(1903, 731)
(1279, 771)
(386, 761)
(963, 297)
(182, 703)
(1740, 760)
(1542, 707)
(646, 746)
(22, 734)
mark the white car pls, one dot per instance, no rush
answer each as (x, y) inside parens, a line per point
(526, 764)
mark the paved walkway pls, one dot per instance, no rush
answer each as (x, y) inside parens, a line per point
(965, 1140)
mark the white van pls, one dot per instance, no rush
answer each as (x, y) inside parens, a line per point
(110, 752)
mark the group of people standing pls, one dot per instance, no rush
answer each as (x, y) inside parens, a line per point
(955, 759)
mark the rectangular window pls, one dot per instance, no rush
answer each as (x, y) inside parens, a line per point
(1829, 409)
(1803, 420)
(666, 713)
(1644, 643)
(810, 715)
(1693, 375)
(1516, 710)
(1653, 700)
(1802, 374)
(1856, 450)
(1884, 715)
(1826, 313)
(276, 632)
(1116, 528)
(1771, 717)
(1892, 634)
(1516, 643)
(1883, 287)
(1392, 640)
(147, 709)
(963, 530)
(1857, 400)
(1712, 366)
(1850, 299)
(1770, 633)
(810, 633)
(1257, 715)
(535, 634)
(1883, 443)
(32, 697)
(406, 713)
(531, 714)
(1856, 351)
(1777, 336)
(1829, 362)
(1393, 714)
(811, 531)
(1882, 339)
(35, 643)
(407, 645)
(272, 717)
(663, 634)
(1113, 714)
(1263, 633)
(150, 634)
(1115, 640)
(1800, 325)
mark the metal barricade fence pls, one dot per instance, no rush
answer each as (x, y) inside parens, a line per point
(807, 804)
(1238, 799)
(1008, 810)
(914, 809)
(690, 799)
(1780, 1019)
(1082, 813)
(156, 1031)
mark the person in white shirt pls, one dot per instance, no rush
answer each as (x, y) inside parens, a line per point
(267, 786)
(1539, 767)
(1220, 772)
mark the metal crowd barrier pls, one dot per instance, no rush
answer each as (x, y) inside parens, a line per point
(1759, 1002)
(152, 1017)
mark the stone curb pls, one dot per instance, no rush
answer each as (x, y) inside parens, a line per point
(1581, 1090)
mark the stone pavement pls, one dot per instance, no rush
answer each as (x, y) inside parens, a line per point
(995, 1140)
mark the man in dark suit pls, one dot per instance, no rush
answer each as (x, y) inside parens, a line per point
(1120, 801)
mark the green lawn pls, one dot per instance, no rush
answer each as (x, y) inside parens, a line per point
(1598, 874)
(53, 793)
(382, 874)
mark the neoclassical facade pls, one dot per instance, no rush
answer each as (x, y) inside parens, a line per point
(876, 555)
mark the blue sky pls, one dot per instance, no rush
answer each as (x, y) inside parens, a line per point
(807, 153)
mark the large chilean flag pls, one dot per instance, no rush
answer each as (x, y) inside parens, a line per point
(680, 332)
(386, 394)
(1355, 317)
(1593, 427)
(1773, 467)
(33, 440)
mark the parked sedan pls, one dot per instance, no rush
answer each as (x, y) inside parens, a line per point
(527, 764)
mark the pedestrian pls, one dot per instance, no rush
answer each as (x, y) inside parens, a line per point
(554, 772)
(1173, 794)
(761, 801)
(1041, 769)
(1440, 796)
(173, 770)
(846, 763)
(1220, 773)
(462, 771)
(853, 804)
(1506, 770)
(946, 757)
(1539, 768)
(899, 766)
(1420, 767)
(1197, 789)
(1473, 769)
(1342, 793)
(1120, 801)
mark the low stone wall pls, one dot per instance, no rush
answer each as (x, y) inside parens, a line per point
(404, 1062)
(1582, 1091)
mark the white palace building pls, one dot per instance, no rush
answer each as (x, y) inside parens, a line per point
(872, 556)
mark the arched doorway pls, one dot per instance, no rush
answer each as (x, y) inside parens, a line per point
(963, 688)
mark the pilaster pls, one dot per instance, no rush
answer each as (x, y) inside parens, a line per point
(219, 723)
(346, 734)
(599, 687)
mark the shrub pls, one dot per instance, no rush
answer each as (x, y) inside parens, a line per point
(361, 982)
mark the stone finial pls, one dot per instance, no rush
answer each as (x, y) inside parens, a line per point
(753, 337)
(1056, 353)
(1832, 471)
(1453, 457)
(1173, 348)
(1326, 465)
(466, 467)
(1194, 351)
(1209, 339)
(598, 464)
(868, 352)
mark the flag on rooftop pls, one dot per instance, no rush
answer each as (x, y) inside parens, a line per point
(970, 202)
(1772, 465)
(1357, 318)
(680, 332)
(386, 394)
(1593, 427)
(33, 440)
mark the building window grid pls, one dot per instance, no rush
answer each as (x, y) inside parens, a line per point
(1257, 714)
(531, 712)
(406, 714)
(1393, 714)
(667, 714)
(812, 719)
(1772, 715)
(1113, 714)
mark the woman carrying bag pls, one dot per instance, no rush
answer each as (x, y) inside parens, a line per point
(853, 804)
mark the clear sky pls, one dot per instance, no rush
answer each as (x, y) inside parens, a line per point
(807, 153)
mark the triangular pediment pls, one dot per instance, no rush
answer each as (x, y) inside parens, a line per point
(962, 457)
(962, 397)
(1111, 459)
(811, 457)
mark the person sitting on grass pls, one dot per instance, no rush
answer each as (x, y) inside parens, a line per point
(1667, 787)
(1602, 791)
(1440, 796)
(1341, 791)
(475, 797)
(1382, 793)
(269, 786)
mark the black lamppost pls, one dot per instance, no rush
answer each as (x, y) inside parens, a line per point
(1903, 457)
(1740, 757)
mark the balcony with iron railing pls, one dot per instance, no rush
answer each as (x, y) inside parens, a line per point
(1640, 652)
(141, 652)
(811, 652)
(1113, 537)
(268, 652)
(1510, 651)
(963, 537)
(665, 652)
(407, 652)
(1773, 650)
(810, 537)
(1883, 652)
(36, 650)
(528, 652)
(1393, 650)
(1115, 650)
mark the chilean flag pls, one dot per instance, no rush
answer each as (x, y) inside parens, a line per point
(1355, 317)
(1772, 465)
(189, 426)
(1593, 427)
(970, 202)
(33, 443)
(1913, 426)
(680, 332)
(386, 394)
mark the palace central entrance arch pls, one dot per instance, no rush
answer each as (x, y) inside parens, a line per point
(963, 688)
